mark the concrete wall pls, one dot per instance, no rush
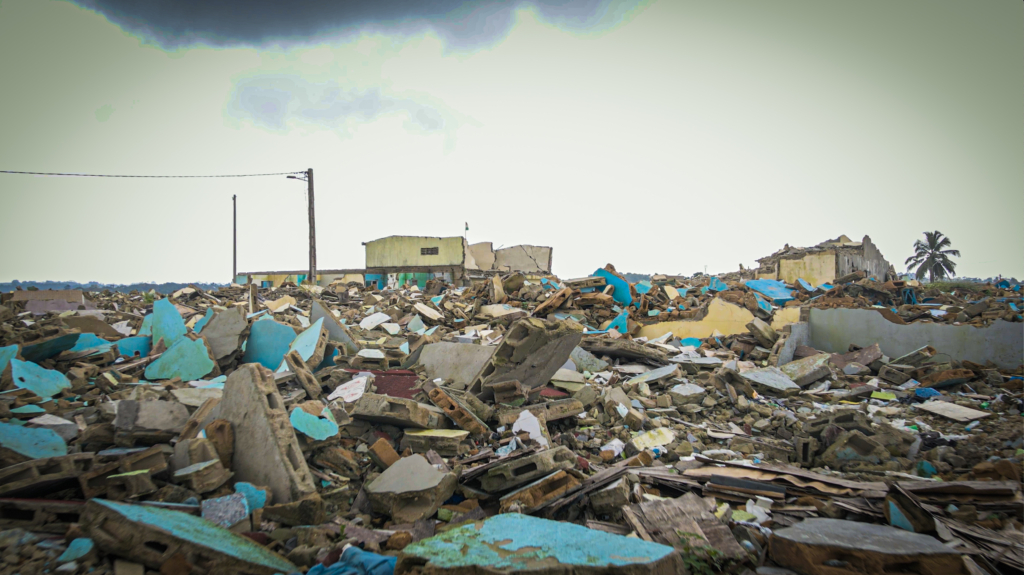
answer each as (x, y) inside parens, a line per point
(524, 258)
(483, 255)
(402, 251)
(868, 259)
(723, 316)
(815, 268)
(833, 330)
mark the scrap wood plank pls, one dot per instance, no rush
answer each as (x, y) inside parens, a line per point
(952, 411)
(801, 477)
(666, 520)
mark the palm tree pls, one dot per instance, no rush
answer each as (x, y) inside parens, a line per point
(929, 256)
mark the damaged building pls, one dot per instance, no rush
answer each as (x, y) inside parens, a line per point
(398, 260)
(825, 263)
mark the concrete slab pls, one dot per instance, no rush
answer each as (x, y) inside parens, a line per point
(808, 370)
(152, 536)
(512, 542)
(267, 451)
(336, 331)
(531, 352)
(187, 359)
(814, 545)
(458, 362)
(397, 411)
(18, 443)
(225, 331)
(167, 323)
(410, 490)
(770, 380)
(45, 383)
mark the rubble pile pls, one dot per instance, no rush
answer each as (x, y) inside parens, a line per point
(519, 423)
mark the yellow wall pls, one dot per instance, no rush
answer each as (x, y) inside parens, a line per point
(815, 269)
(399, 251)
(723, 316)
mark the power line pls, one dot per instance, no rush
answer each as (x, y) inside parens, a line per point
(134, 176)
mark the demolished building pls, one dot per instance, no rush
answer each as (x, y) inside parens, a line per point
(516, 423)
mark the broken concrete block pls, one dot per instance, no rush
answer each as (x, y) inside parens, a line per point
(152, 536)
(266, 449)
(770, 380)
(516, 543)
(67, 430)
(120, 460)
(894, 375)
(528, 498)
(196, 396)
(311, 344)
(687, 393)
(18, 444)
(508, 392)
(586, 361)
(397, 411)
(306, 511)
(130, 485)
(528, 468)
(457, 362)
(550, 411)
(819, 546)
(225, 331)
(531, 352)
(854, 447)
(808, 370)
(610, 500)
(39, 477)
(188, 359)
(446, 442)
(382, 454)
(167, 323)
(302, 374)
(916, 357)
(203, 477)
(410, 490)
(763, 332)
(337, 333)
(854, 368)
(157, 415)
(462, 416)
(45, 383)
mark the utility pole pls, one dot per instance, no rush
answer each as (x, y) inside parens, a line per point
(234, 238)
(312, 229)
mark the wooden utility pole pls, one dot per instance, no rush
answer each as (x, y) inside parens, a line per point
(312, 229)
(234, 238)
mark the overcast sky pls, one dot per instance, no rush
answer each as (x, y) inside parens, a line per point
(660, 136)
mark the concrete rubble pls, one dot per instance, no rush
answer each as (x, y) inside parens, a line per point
(752, 422)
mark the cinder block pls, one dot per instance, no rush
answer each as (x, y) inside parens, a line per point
(446, 442)
(117, 461)
(527, 499)
(525, 469)
(460, 415)
(531, 352)
(549, 411)
(397, 411)
(266, 451)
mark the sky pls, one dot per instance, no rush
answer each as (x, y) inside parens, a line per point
(662, 136)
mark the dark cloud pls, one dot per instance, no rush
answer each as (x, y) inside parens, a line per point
(464, 25)
(277, 101)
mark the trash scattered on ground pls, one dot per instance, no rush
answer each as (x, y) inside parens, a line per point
(750, 422)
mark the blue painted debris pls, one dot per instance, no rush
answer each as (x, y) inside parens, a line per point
(898, 519)
(716, 285)
(762, 303)
(255, 497)
(6, 355)
(692, 341)
(187, 359)
(805, 284)
(772, 289)
(268, 342)
(415, 324)
(305, 343)
(621, 293)
(91, 344)
(225, 511)
(167, 323)
(43, 382)
(200, 532)
(147, 325)
(32, 442)
(642, 287)
(27, 409)
(78, 548)
(47, 349)
(318, 428)
(139, 345)
(198, 327)
(511, 542)
(926, 392)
